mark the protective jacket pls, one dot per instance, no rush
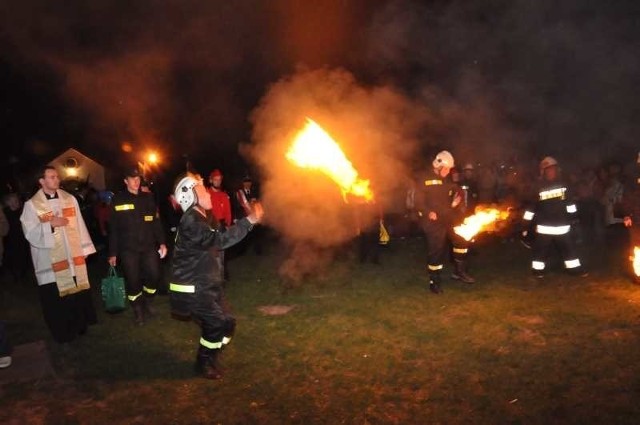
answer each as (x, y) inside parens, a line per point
(197, 264)
(134, 224)
(554, 211)
(436, 195)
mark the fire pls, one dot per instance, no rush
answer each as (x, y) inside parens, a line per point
(483, 219)
(635, 260)
(314, 148)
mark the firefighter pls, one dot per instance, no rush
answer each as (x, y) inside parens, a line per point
(550, 220)
(437, 207)
(631, 209)
(137, 243)
(469, 189)
(196, 286)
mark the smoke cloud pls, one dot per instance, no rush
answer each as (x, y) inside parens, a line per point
(376, 127)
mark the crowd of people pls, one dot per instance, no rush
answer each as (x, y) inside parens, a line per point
(552, 208)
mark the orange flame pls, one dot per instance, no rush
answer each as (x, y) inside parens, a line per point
(635, 260)
(482, 220)
(314, 148)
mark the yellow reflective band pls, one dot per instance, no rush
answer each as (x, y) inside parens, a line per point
(432, 182)
(553, 193)
(528, 215)
(226, 340)
(148, 218)
(460, 250)
(553, 230)
(188, 289)
(433, 268)
(134, 297)
(537, 265)
(209, 344)
(572, 264)
(125, 207)
(572, 208)
(149, 290)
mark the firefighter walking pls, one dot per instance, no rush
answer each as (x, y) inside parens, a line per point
(550, 221)
(137, 243)
(196, 286)
(437, 204)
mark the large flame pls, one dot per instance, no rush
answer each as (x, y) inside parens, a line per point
(314, 148)
(482, 220)
(635, 260)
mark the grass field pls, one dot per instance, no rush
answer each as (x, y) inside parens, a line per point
(363, 344)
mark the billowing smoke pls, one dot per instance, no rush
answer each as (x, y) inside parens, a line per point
(376, 127)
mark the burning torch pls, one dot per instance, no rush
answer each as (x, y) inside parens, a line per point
(484, 219)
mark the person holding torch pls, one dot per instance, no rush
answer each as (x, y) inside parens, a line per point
(197, 269)
(630, 209)
(437, 207)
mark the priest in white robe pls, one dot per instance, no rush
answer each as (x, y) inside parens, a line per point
(60, 243)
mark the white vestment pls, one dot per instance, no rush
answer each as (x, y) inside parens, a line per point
(41, 237)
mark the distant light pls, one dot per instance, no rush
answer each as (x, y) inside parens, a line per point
(72, 172)
(152, 158)
(126, 147)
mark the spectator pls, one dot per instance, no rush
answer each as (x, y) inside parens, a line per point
(16, 254)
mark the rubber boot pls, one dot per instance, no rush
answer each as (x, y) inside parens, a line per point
(207, 364)
(229, 330)
(138, 312)
(434, 284)
(147, 309)
(460, 272)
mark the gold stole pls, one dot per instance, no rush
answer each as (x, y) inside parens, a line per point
(58, 254)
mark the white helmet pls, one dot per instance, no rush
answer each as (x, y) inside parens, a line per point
(443, 159)
(547, 162)
(184, 193)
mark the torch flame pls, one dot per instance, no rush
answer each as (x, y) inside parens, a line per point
(635, 260)
(481, 220)
(314, 148)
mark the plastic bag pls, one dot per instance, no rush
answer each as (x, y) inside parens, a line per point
(113, 292)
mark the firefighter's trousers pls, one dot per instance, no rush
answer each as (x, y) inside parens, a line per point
(542, 245)
(438, 234)
(142, 273)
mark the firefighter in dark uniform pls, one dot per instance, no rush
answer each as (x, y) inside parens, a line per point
(469, 188)
(437, 204)
(631, 216)
(196, 286)
(137, 243)
(550, 219)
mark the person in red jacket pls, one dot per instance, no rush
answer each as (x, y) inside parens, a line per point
(220, 200)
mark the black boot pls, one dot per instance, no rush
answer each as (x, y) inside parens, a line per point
(138, 312)
(207, 364)
(147, 309)
(434, 284)
(460, 272)
(229, 330)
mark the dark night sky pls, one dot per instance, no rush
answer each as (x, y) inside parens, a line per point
(505, 76)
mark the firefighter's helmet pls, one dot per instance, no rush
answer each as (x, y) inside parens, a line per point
(443, 159)
(184, 192)
(547, 162)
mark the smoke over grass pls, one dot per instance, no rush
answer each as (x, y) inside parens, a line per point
(376, 127)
